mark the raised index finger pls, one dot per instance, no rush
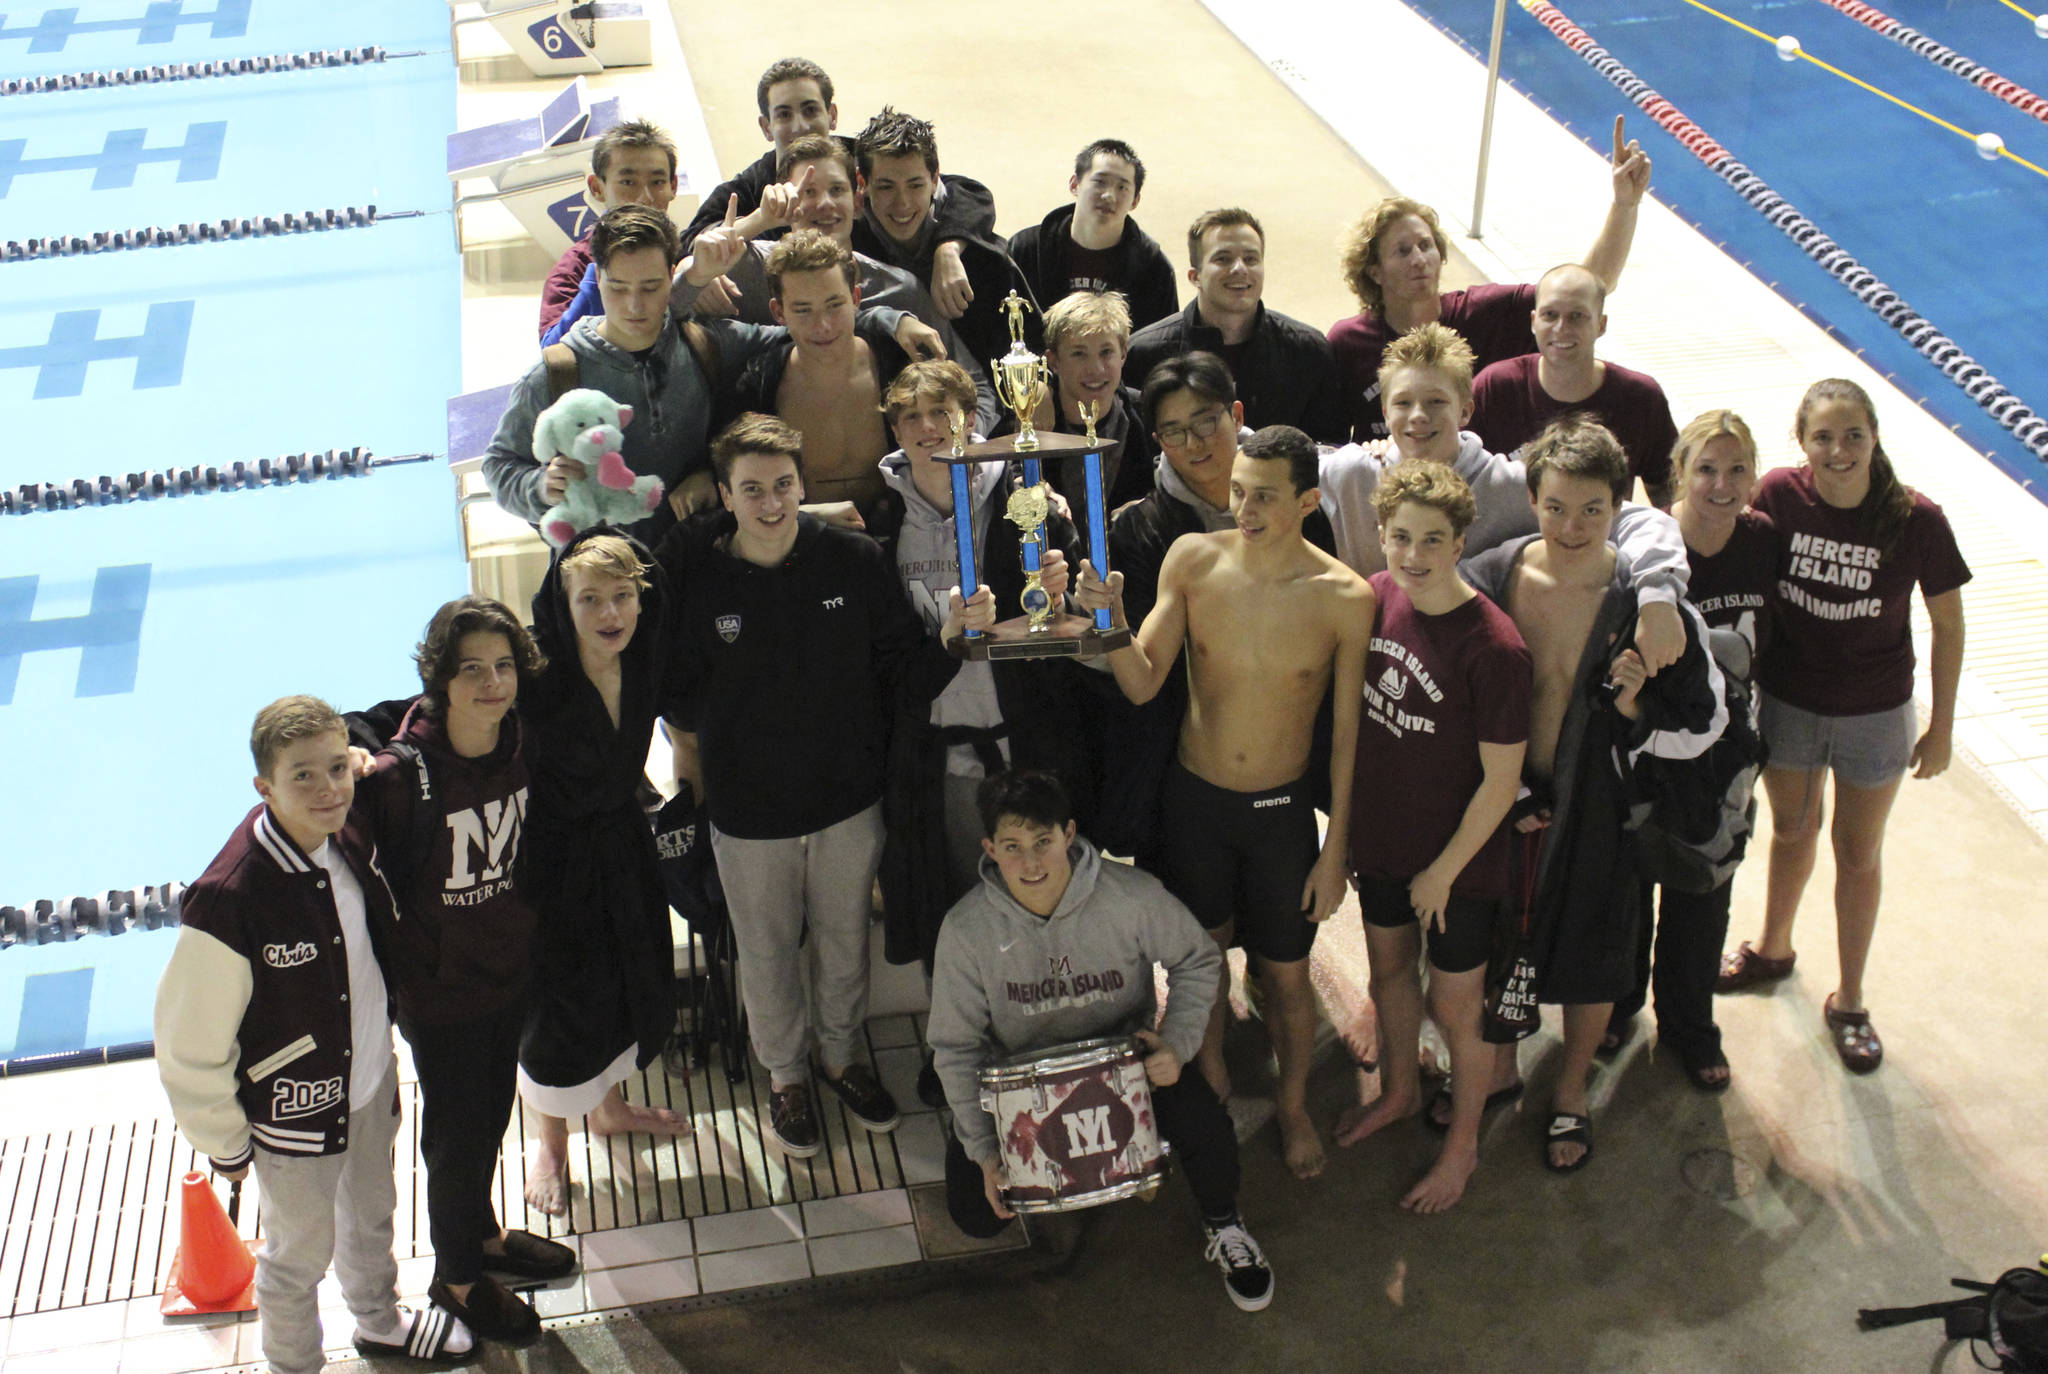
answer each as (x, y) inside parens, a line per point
(803, 178)
(732, 205)
(1620, 145)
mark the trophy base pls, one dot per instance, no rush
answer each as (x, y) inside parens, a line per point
(1064, 636)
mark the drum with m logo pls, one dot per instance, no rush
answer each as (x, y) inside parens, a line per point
(1075, 1124)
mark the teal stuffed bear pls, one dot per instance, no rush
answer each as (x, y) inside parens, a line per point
(588, 427)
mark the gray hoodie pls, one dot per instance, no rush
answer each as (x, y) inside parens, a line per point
(670, 432)
(928, 560)
(1500, 489)
(1006, 982)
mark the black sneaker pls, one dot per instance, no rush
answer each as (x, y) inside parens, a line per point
(793, 1120)
(1245, 1275)
(930, 1091)
(866, 1099)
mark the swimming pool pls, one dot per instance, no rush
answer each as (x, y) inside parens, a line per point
(138, 639)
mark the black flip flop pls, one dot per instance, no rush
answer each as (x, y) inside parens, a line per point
(1499, 1097)
(1578, 1130)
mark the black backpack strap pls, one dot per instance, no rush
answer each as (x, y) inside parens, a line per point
(565, 370)
(423, 816)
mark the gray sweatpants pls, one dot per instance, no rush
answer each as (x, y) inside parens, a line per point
(318, 1208)
(774, 889)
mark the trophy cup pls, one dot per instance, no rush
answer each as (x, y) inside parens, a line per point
(1021, 380)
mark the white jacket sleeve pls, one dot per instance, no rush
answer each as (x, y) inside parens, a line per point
(199, 1006)
(1649, 539)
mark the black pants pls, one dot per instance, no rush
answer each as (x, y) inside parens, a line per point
(1691, 927)
(1191, 1119)
(468, 1072)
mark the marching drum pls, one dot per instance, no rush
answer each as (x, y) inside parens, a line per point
(1075, 1124)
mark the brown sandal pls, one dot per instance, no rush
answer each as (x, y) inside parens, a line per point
(1855, 1038)
(1746, 968)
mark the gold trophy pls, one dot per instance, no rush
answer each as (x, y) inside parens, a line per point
(1022, 381)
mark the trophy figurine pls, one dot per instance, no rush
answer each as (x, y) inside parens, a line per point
(1022, 381)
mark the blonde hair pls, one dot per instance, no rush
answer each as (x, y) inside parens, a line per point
(1360, 246)
(1437, 347)
(808, 250)
(606, 555)
(1429, 484)
(285, 722)
(1085, 313)
(1703, 429)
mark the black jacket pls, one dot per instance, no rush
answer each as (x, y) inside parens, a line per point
(1126, 458)
(790, 675)
(1286, 377)
(602, 946)
(966, 215)
(1039, 700)
(1137, 266)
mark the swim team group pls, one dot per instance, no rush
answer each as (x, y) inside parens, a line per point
(1441, 573)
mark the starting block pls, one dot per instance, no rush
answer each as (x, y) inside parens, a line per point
(506, 558)
(536, 166)
(561, 37)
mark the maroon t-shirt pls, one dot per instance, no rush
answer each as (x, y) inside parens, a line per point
(1088, 269)
(1436, 688)
(1844, 645)
(1493, 318)
(1735, 588)
(1510, 407)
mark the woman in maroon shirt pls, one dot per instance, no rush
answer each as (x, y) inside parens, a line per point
(1733, 553)
(1838, 683)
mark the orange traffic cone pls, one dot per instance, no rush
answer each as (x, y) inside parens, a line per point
(213, 1269)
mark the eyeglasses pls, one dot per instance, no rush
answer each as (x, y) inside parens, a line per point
(1201, 427)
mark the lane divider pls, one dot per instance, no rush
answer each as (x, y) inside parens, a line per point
(82, 493)
(1949, 60)
(1788, 48)
(46, 922)
(1959, 367)
(191, 71)
(199, 231)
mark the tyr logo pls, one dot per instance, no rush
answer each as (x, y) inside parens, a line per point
(833, 603)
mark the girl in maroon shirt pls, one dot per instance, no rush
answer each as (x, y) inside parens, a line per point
(1733, 553)
(1838, 683)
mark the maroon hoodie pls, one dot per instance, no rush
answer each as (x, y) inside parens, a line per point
(460, 945)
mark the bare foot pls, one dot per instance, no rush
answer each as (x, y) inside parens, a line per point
(1444, 1184)
(1300, 1143)
(1384, 1110)
(547, 1168)
(616, 1116)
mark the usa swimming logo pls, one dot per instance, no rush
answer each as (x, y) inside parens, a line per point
(728, 627)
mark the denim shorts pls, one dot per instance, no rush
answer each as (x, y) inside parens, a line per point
(1864, 751)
